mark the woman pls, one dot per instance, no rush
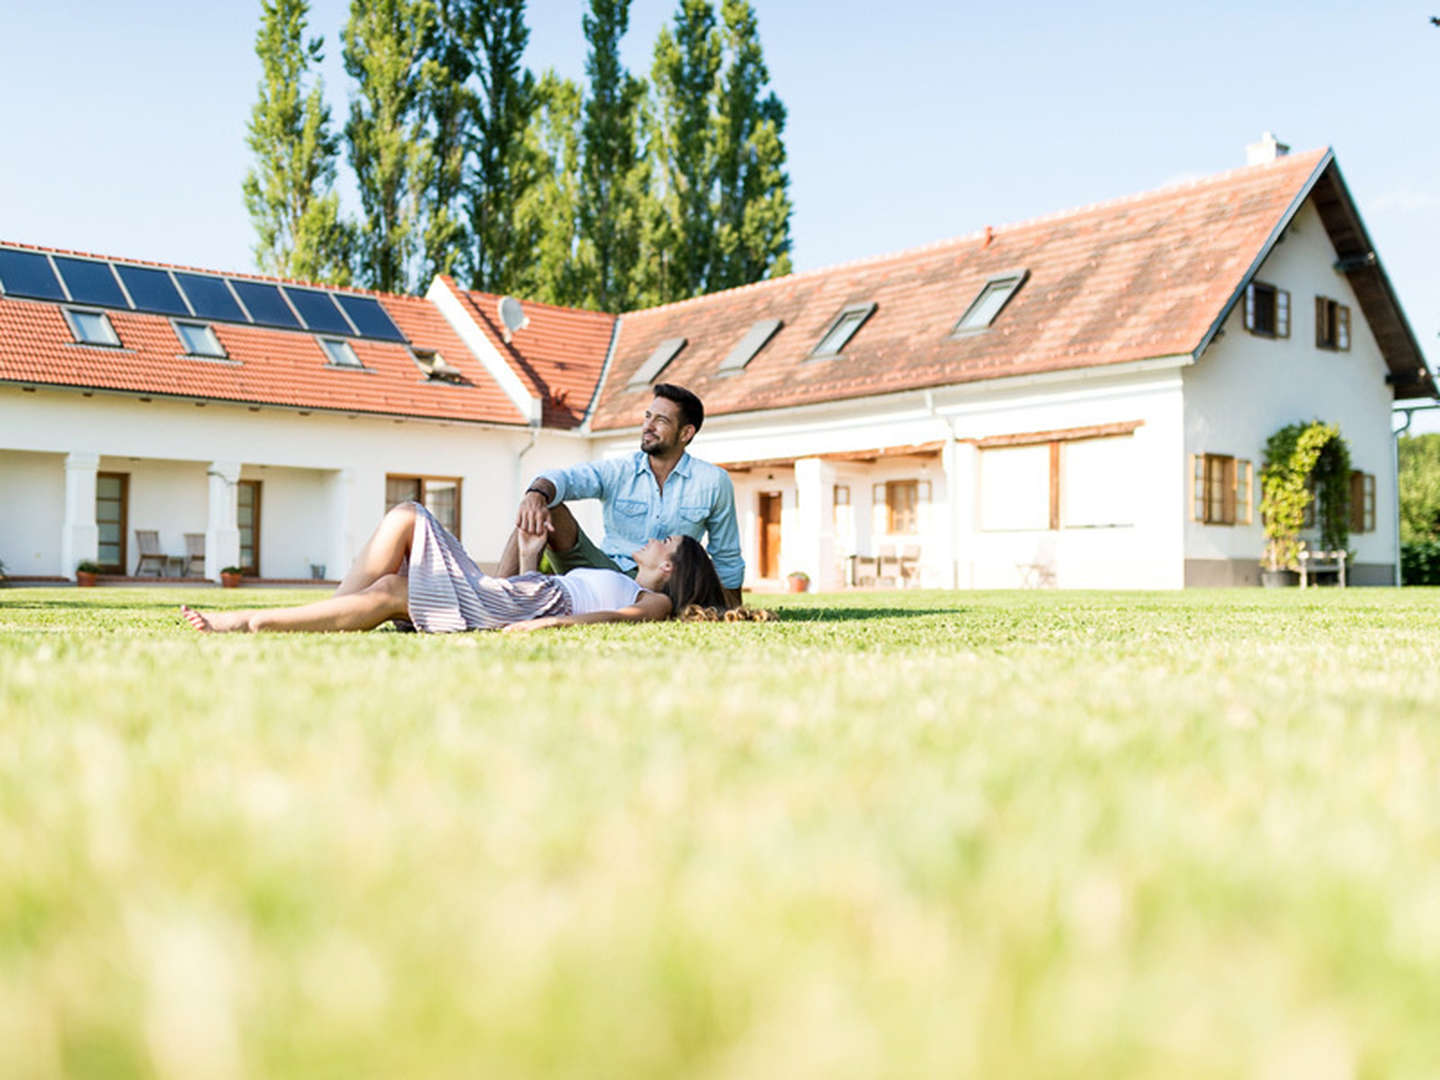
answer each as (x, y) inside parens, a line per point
(413, 570)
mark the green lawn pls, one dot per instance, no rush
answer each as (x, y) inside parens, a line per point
(912, 834)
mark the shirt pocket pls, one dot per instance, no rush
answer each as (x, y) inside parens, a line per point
(631, 508)
(694, 514)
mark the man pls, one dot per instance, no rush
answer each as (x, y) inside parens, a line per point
(657, 492)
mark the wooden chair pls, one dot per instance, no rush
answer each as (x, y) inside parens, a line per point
(887, 570)
(194, 554)
(910, 564)
(148, 541)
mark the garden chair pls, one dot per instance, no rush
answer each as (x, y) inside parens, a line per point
(148, 541)
(910, 564)
(194, 554)
(887, 569)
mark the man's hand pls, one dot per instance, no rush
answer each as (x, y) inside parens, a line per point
(534, 515)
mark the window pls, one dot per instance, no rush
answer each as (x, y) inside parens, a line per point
(1098, 490)
(901, 500)
(994, 295)
(438, 494)
(340, 353)
(112, 499)
(841, 329)
(1015, 488)
(841, 504)
(745, 349)
(435, 366)
(1267, 310)
(657, 362)
(199, 339)
(1332, 325)
(1362, 502)
(91, 327)
(1221, 490)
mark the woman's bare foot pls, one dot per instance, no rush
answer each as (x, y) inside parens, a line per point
(222, 622)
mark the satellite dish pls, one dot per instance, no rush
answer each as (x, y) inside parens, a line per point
(512, 317)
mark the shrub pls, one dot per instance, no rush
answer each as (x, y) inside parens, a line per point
(1420, 562)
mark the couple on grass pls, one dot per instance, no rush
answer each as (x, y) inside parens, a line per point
(658, 503)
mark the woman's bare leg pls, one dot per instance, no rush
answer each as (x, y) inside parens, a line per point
(564, 532)
(383, 552)
(385, 599)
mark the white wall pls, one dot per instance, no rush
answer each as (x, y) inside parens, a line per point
(1246, 387)
(32, 513)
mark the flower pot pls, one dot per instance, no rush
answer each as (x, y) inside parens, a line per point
(1279, 579)
(799, 584)
(85, 579)
(230, 581)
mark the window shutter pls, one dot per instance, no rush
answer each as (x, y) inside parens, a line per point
(1342, 327)
(1227, 513)
(1357, 502)
(1369, 494)
(1282, 313)
(1250, 306)
(1197, 487)
(1245, 500)
(1322, 337)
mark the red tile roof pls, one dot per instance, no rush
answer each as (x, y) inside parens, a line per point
(269, 367)
(559, 356)
(1139, 277)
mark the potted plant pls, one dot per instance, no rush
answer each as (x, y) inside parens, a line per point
(230, 576)
(799, 580)
(85, 573)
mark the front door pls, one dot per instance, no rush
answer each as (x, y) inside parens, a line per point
(247, 517)
(112, 491)
(769, 545)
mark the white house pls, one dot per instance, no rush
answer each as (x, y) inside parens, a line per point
(1079, 400)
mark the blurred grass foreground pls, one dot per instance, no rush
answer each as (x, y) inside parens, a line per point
(911, 834)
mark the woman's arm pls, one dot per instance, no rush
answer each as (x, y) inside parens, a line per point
(648, 607)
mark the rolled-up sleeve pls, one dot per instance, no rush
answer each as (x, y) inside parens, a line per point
(586, 481)
(724, 533)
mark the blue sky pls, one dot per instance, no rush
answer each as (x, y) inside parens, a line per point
(125, 124)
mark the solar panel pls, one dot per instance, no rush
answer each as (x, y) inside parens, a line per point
(90, 282)
(370, 319)
(28, 273)
(152, 290)
(210, 297)
(318, 311)
(266, 305)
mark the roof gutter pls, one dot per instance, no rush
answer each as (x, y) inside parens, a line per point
(604, 374)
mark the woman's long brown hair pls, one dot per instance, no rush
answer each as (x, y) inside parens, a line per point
(695, 592)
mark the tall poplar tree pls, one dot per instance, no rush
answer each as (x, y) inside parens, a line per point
(448, 104)
(496, 36)
(615, 172)
(290, 190)
(386, 47)
(547, 214)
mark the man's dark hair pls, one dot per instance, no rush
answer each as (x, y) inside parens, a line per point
(692, 412)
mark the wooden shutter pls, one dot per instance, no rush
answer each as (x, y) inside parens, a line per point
(1245, 496)
(1357, 502)
(1197, 487)
(1369, 502)
(1250, 306)
(1342, 327)
(1227, 512)
(1322, 323)
(1282, 313)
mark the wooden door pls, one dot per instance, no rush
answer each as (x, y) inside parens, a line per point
(247, 517)
(112, 499)
(769, 545)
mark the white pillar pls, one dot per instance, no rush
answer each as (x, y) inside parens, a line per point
(80, 539)
(222, 535)
(357, 502)
(961, 461)
(815, 495)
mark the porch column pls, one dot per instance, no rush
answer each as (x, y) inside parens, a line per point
(357, 502)
(222, 535)
(815, 509)
(80, 539)
(961, 461)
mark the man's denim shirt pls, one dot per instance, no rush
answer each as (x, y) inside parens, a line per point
(698, 498)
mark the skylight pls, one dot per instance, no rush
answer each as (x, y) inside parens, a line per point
(994, 295)
(199, 339)
(754, 340)
(340, 353)
(842, 328)
(658, 360)
(91, 327)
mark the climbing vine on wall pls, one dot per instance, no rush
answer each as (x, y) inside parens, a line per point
(1301, 458)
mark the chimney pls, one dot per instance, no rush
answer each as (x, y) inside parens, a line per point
(1267, 149)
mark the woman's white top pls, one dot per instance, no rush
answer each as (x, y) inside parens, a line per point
(590, 589)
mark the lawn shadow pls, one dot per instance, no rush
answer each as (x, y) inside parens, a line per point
(845, 614)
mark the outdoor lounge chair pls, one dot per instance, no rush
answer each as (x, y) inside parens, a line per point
(148, 541)
(194, 554)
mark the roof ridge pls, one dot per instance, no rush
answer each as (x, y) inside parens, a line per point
(473, 293)
(993, 230)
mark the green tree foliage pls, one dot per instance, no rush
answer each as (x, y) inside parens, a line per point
(448, 103)
(387, 47)
(615, 172)
(496, 35)
(1300, 457)
(289, 192)
(547, 215)
(1419, 488)
(752, 237)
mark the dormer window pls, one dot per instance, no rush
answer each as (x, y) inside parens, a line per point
(435, 366)
(754, 340)
(656, 362)
(1332, 324)
(199, 340)
(340, 353)
(1267, 310)
(842, 328)
(91, 327)
(994, 295)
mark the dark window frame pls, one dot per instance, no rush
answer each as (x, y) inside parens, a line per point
(1267, 310)
(991, 284)
(863, 311)
(252, 568)
(124, 544)
(422, 479)
(1332, 325)
(71, 310)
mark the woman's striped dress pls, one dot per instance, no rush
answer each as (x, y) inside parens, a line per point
(448, 592)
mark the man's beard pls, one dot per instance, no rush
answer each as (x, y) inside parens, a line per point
(653, 445)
